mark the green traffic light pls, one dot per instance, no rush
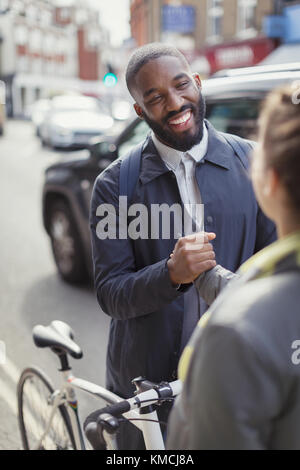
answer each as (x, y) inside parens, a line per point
(110, 79)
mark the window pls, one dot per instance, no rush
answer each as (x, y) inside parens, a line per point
(93, 38)
(215, 14)
(81, 16)
(32, 13)
(63, 46)
(4, 5)
(49, 44)
(236, 115)
(35, 40)
(36, 66)
(21, 35)
(46, 18)
(246, 18)
(18, 6)
(22, 64)
(65, 14)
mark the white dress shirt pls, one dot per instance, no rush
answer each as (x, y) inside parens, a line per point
(183, 164)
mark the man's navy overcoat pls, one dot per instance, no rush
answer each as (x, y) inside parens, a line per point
(148, 315)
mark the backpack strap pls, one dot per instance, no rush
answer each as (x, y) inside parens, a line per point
(130, 170)
(242, 147)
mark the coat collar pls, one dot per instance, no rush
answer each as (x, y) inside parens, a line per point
(153, 165)
(216, 155)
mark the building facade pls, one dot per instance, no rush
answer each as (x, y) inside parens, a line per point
(45, 50)
(214, 34)
(283, 25)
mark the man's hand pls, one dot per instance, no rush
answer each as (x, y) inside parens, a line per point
(192, 256)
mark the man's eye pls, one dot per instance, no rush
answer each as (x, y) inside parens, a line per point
(182, 84)
(155, 99)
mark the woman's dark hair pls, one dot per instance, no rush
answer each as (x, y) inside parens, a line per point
(280, 132)
(144, 54)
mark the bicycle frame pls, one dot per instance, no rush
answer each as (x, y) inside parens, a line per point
(66, 395)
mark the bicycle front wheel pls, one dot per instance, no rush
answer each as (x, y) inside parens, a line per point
(34, 393)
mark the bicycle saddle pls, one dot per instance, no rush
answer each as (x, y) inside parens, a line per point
(59, 336)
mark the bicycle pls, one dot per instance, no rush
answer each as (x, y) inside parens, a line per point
(48, 418)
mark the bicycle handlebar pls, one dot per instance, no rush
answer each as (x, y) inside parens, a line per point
(158, 392)
(115, 410)
(108, 416)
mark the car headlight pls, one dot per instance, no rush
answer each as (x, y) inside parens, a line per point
(57, 174)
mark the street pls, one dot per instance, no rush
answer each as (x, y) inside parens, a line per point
(31, 291)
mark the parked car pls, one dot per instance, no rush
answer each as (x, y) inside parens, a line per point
(37, 113)
(2, 107)
(72, 120)
(232, 105)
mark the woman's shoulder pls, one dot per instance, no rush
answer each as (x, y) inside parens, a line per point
(260, 299)
(264, 313)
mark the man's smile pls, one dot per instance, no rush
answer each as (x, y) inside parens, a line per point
(182, 121)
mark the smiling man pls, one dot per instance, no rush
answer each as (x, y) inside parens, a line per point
(149, 295)
(176, 117)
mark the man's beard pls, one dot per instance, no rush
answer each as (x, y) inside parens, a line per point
(185, 141)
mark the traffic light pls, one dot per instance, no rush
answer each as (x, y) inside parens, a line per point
(110, 79)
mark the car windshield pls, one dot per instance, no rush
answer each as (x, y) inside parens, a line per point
(235, 116)
(135, 136)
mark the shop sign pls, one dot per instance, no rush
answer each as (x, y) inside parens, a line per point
(179, 19)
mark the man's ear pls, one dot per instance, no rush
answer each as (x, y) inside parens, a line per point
(197, 79)
(138, 110)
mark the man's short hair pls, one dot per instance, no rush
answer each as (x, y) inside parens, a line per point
(145, 54)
